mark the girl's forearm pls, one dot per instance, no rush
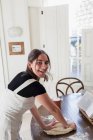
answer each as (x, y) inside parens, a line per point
(58, 115)
(37, 117)
(52, 108)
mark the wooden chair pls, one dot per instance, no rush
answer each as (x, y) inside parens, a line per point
(69, 85)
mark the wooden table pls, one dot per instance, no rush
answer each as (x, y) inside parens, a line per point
(70, 110)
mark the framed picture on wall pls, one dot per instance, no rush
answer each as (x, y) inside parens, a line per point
(16, 48)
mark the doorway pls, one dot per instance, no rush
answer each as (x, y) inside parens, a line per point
(75, 56)
(75, 41)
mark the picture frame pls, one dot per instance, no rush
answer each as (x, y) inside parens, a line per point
(16, 48)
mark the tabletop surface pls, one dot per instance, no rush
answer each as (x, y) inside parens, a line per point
(71, 111)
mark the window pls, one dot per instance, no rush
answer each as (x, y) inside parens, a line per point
(75, 56)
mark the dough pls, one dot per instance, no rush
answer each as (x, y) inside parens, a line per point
(58, 130)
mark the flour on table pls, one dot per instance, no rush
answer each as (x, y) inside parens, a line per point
(79, 136)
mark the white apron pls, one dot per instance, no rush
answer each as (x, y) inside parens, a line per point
(12, 107)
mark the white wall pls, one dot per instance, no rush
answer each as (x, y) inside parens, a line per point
(15, 13)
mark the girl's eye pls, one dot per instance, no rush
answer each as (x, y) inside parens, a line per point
(41, 62)
(47, 62)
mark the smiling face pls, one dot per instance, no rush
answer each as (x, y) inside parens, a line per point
(40, 65)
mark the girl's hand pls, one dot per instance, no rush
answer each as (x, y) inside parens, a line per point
(50, 125)
(71, 125)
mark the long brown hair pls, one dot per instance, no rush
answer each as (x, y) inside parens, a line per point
(34, 54)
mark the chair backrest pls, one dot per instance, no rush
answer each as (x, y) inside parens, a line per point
(69, 85)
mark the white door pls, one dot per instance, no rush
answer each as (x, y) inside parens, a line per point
(87, 57)
(48, 36)
(43, 30)
(49, 31)
(54, 38)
